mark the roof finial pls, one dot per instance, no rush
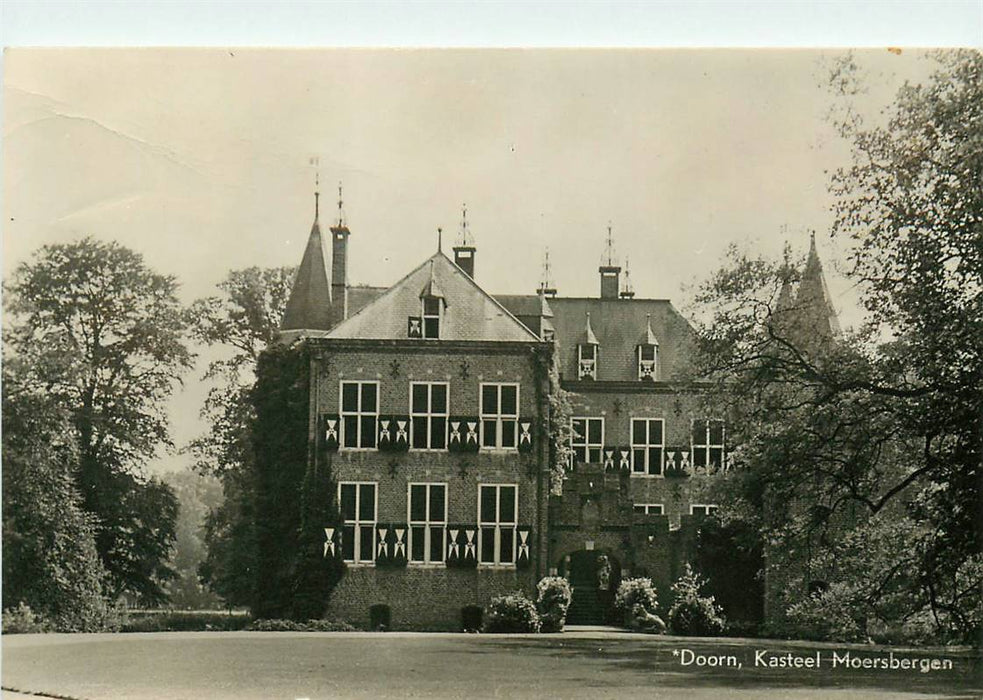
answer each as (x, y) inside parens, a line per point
(464, 235)
(341, 210)
(546, 286)
(440, 234)
(609, 256)
(627, 291)
(316, 162)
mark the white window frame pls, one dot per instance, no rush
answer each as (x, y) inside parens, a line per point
(645, 469)
(501, 527)
(587, 445)
(424, 316)
(430, 415)
(427, 524)
(581, 360)
(358, 523)
(358, 413)
(499, 418)
(711, 508)
(649, 508)
(707, 446)
(654, 361)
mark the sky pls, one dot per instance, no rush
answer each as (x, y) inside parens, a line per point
(201, 160)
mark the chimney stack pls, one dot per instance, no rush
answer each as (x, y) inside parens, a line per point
(610, 271)
(464, 250)
(339, 265)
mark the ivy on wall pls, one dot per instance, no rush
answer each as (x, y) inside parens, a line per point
(558, 422)
(294, 492)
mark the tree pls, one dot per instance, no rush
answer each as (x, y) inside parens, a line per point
(102, 336)
(878, 431)
(239, 323)
(196, 495)
(50, 562)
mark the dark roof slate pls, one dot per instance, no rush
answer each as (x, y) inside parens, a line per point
(470, 314)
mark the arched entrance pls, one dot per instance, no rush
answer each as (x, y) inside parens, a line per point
(594, 576)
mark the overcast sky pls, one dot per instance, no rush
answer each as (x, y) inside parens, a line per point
(200, 159)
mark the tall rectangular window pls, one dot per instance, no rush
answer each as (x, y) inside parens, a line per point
(359, 413)
(587, 439)
(708, 443)
(499, 415)
(358, 515)
(431, 317)
(498, 505)
(646, 446)
(428, 522)
(428, 414)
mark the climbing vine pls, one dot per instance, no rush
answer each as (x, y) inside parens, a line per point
(557, 425)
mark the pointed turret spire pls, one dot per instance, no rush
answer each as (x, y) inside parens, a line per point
(813, 304)
(310, 304)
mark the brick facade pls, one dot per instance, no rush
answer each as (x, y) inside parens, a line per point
(622, 359)
(432, 595)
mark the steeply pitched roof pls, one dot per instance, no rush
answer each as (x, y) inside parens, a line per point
(620, 326)
(470, 314)
(309, 305)
(813, 306)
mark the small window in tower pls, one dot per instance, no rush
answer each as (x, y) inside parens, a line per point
(587, 361)
(431, 317)
(646, 362)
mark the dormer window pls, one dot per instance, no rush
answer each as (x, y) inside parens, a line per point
(587, 361)
(432, 308)
(646, 362)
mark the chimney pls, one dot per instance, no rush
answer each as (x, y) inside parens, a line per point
(464, 259)
(464, 248)
(610, 271)
(339, 265)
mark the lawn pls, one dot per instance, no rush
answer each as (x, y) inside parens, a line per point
(396, 665)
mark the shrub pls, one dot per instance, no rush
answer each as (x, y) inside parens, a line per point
(553, 596)
(291, 626)
(692, 613)
(636, 591)
(23, 620)
(830, 614)
(167, 621)
(512, 613)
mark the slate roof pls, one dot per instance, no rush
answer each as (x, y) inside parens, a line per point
(309, 305)
(813, 304)
(470, 314)
(620, 326)
(361, 296)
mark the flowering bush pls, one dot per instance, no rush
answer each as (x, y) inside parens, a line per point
(692, 613)
(513, 613)
(636, 591)
(553, 596)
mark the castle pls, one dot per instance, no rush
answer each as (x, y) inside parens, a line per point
(433, 401)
